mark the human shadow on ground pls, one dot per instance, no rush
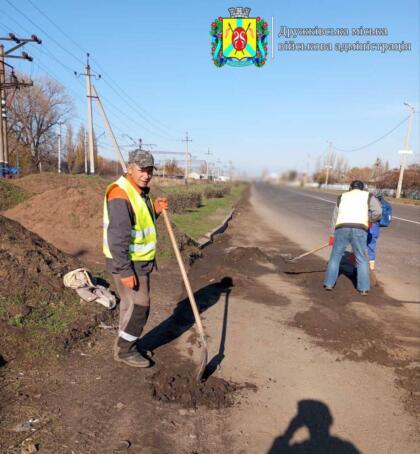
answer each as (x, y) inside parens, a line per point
(217, 359)
(183, 318)
(348, 267)
(317, 418)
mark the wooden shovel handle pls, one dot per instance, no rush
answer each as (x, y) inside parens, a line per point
(185, 278)
(310, 252)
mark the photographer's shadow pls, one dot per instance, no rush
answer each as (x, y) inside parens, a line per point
(316, 417)
(182, 319)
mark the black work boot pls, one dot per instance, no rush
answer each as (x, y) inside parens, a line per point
(127, 353)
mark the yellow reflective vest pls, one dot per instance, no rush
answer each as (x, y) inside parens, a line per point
(143, 234)
(353, 210)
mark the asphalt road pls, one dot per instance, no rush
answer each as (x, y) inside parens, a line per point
(304, 216)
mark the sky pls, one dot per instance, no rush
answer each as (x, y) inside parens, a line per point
(158, 79)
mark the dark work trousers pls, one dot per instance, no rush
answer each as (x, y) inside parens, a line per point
(134, 311)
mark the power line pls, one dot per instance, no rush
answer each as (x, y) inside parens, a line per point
(43, 31)
(133, 105)
(127, 97)
(57, 27)
(374, 141)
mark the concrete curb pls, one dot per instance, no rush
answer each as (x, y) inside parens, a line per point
(208, 237)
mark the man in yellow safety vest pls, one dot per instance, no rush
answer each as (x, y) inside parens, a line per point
(129, 245)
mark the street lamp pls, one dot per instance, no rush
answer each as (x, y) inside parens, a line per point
(405, 151)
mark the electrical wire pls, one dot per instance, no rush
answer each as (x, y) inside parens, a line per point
(374, 141)
(44, 32)
(128, 99)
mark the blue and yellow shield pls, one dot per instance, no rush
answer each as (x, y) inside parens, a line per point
(239, 37)
(239, 40)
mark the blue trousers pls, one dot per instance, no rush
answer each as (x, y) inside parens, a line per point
(372, 239)
(358, 240)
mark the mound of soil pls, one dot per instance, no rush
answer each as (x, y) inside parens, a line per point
(40, 183)
(67, 212)
(68, 217)
(181, 387)
(37, 313)
(28, 263)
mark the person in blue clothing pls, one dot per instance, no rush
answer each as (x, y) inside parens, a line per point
(375, 229)
(353, 212)
(372, 242)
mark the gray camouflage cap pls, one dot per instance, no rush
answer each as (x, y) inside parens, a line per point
(142, 158)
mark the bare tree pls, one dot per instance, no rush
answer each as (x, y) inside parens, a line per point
(34, 115)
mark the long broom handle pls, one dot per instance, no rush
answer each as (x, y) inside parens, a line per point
(310, 252)
(185, 277)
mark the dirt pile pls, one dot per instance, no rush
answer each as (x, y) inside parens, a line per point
(39, 183)
(67, 212)
(68, 217)
(181, 387)
(37, 313)
(28, 263)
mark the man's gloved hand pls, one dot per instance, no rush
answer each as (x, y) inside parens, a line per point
(130, 281)
(161, 203)
(331, 240)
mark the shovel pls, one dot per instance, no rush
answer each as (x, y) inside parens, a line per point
(291, 259)
(194, 308)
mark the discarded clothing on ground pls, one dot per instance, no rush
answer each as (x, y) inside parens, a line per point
(82, 281)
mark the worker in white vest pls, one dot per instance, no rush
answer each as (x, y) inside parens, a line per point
(352, 214)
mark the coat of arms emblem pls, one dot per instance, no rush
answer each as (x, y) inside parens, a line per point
(239, 40)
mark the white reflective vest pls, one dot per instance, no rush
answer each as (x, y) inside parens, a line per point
(142, 245)
(353, 210)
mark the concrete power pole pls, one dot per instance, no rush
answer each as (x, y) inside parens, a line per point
(13, 83)
(85, 145)
(3, 125)
(187, 156)
(328, 166)
(90, 122)
(59, 146)
(406, 150)
(207, 163)
(88, 74)
(109, 130)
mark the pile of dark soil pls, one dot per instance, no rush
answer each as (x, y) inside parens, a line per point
(37, 313)
(29, 264)
(181, 387)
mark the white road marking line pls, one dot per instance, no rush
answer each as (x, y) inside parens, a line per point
(406, 220)
(330, 201)
(311, 196)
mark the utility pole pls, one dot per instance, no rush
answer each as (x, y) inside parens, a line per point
(85, 145)
(13, 83)
(406, 150)
(88, 74)
(207, 163)
(59, 146)
(109, 129)
(141, 144)
(230, 170)
(328, 166)
(187, 155)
